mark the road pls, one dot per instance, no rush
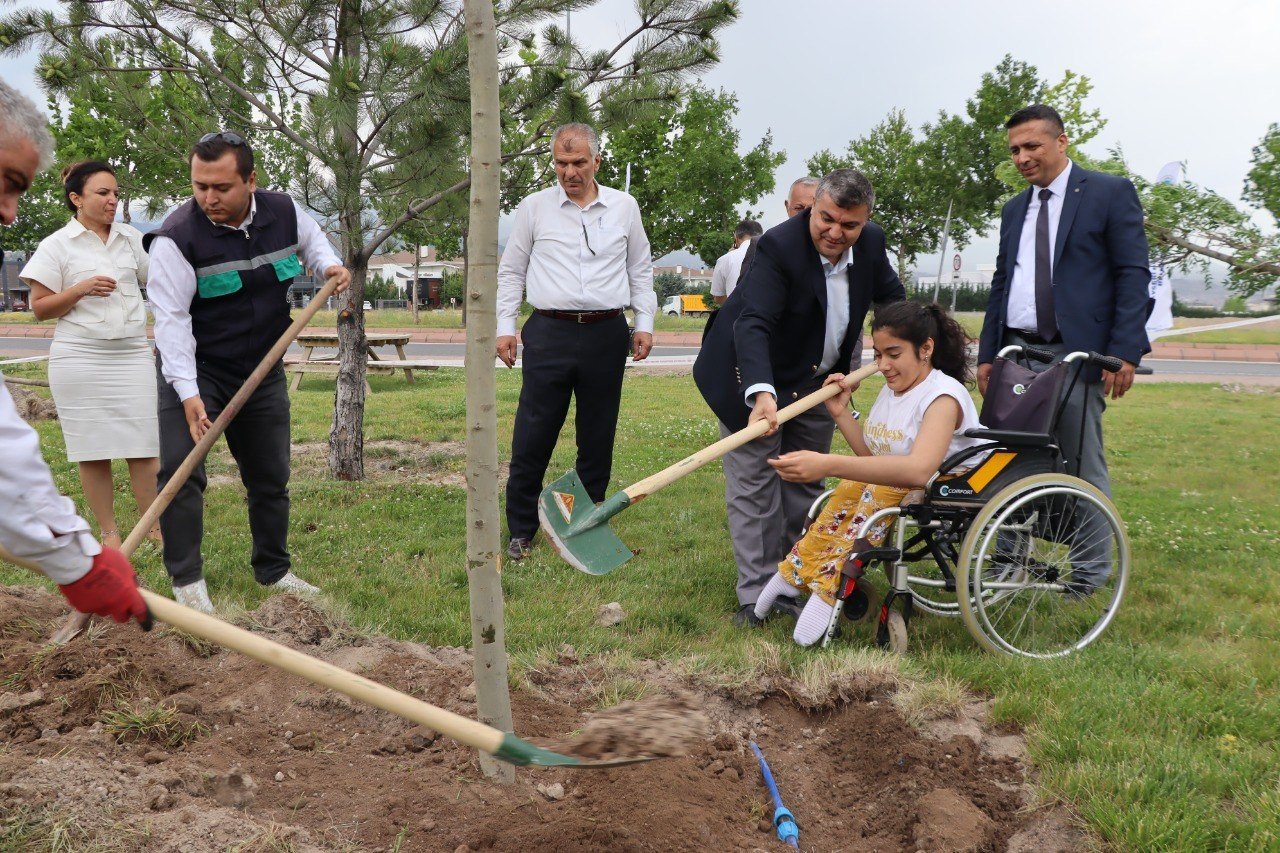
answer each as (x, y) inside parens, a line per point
(1267, 373)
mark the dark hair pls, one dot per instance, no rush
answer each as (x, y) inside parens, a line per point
(1037, 112)
(210, 150)
(747, 228)
(847, 188)
(76, 175)
(916, 323)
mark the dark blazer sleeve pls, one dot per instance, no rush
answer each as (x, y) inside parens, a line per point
(765, 293)
(1129, 252)
(993, 323)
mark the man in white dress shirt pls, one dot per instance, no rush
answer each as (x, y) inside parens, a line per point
(221, 265)
(38, 525)
(724, 278)
(578, 253)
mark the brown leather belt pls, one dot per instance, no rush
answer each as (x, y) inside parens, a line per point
(580, 316)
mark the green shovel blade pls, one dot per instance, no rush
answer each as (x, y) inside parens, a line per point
(521, 753)
(579, 529)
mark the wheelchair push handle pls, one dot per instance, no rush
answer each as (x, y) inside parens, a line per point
(1106, 362)
(1043, 356)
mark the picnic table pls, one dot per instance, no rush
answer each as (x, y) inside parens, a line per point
(311, 341)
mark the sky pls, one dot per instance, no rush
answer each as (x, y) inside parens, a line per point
(1176, 80)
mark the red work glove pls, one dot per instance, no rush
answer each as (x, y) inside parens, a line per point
(109, 589)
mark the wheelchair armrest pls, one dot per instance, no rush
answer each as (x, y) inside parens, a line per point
(1008, 436)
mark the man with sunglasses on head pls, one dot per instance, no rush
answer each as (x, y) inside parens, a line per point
(221, 266)
(579, 254)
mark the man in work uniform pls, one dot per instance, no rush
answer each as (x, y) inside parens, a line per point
(221, 265)
(38, 525)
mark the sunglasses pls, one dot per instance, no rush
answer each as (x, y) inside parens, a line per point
(228, 136)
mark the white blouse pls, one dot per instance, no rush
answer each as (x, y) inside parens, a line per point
(73, 253)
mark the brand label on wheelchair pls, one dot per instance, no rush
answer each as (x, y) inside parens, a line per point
(944, 491)
(1019, 389)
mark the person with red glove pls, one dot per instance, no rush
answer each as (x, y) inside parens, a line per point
(38, 525)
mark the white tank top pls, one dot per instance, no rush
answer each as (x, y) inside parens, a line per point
(894, 421)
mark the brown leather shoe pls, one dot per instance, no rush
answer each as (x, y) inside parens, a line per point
(518, 548)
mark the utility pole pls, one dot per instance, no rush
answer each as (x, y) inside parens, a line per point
(942, 252)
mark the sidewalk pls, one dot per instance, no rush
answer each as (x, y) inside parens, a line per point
(1160, 349)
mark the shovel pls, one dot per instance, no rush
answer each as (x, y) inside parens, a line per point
(77, 622)
(501, 745)
(578, 528)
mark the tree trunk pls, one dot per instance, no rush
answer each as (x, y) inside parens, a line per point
(417, 265)
(346, 437)
(480, 291)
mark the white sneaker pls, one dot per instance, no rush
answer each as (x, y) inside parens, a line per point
(292, 583)
(194, 595)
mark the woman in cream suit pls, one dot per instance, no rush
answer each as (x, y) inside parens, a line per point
(101, 368)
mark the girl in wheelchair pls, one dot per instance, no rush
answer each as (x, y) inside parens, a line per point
(918, 419)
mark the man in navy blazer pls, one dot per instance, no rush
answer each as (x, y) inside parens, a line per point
(1072, 274)
(795, 317)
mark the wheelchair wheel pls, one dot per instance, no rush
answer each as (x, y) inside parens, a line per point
(1045, 564)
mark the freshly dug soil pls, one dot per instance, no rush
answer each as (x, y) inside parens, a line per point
(31, 406)
(159, 742)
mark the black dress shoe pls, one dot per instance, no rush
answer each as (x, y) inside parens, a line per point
(787, 607)
(518, 548)
(746, 617)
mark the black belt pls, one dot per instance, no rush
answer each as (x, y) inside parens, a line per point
(580, 316)
(1035, 340)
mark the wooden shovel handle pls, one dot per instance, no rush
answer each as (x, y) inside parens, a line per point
(210, 628)
(689, 464)
(198, 453)
(316, 671)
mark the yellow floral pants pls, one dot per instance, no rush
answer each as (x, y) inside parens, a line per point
(816, 560)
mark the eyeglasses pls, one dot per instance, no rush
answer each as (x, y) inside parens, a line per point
(585, 237)
(228, 136)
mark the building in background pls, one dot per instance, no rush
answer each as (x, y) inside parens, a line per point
(396, 269)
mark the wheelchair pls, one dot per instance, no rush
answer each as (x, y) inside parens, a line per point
(1033, 559)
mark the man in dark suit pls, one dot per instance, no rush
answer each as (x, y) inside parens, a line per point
(1072, 274)
(795, 317)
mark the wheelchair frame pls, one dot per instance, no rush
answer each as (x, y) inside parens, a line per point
(999, 539)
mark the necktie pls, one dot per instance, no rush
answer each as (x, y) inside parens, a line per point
(1046, 323)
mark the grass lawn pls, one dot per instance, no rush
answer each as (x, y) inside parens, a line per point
(1164, 735)
(395, 318)
(1262, 333)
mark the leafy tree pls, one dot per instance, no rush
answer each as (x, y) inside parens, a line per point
(1262, 185)
(43, 211)
(372, 98)
(686, 172)
(668, 284)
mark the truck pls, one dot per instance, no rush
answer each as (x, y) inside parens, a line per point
(693, 304)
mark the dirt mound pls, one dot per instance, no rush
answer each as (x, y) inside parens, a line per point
(157, 743)
(31, 406)
(660, 727)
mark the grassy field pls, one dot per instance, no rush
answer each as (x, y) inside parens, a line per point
(1163, 735)
(394, 318)
(1263, 333)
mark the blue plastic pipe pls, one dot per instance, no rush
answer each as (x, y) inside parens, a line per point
(783, 820)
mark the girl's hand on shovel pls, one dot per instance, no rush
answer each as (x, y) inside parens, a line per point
(801, 466)
(837, 404)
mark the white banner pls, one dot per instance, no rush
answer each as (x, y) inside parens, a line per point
(1170, 173)
(1161, 290)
